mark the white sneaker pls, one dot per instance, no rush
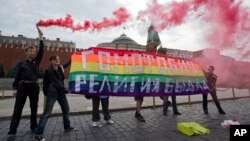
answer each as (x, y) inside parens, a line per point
(110, 121)
(97, 124)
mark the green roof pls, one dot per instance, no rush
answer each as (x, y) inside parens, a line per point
(153, 36)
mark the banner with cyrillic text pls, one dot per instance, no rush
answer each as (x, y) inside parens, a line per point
(100, 71)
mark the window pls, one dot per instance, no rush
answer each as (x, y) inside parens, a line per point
(32, 43)
(19, 42)
(7, 41)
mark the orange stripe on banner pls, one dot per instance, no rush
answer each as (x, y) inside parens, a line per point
(76, 58)
(94, 58)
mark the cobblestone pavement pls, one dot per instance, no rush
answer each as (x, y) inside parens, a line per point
(78, 103)
(126, 128)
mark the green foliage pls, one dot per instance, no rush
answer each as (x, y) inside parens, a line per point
(2, 71)
(12, 71)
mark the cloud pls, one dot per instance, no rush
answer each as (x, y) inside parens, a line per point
(20, 16)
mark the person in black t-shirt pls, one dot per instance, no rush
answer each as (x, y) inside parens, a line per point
(26, 85)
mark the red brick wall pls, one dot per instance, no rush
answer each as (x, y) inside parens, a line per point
(11, 55)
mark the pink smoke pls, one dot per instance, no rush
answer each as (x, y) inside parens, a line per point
(231, 73)
(229, 28)
(164, 16)
(228, 20)
(120, 16)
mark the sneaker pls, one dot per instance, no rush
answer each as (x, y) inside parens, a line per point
(164, 113)
(39, 138)
(177, 113)
(110, 121)
(97, 124)
(11, 137)
(70, 129)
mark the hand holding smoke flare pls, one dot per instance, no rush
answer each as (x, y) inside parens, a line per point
(39, 32)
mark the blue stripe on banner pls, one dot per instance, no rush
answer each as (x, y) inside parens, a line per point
(137, 89)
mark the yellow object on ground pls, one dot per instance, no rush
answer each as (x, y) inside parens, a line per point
(192, 128)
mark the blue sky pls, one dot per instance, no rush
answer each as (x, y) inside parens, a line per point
(20, 17)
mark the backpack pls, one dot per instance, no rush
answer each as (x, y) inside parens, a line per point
(192, 128)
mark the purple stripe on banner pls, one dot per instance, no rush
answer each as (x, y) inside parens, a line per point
(137, 89)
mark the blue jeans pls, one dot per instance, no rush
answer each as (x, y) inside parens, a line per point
(51, 99)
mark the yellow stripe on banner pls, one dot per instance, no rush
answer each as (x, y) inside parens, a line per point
(93, 58)
(121, 69)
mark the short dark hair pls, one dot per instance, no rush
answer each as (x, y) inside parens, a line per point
(28, 47)
(211, 67)
(53, 57)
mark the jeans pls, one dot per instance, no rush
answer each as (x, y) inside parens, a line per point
(51, 99)
(165, 103)
(105, 108)
(24, 91)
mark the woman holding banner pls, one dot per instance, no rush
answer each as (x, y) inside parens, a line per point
(53, 88)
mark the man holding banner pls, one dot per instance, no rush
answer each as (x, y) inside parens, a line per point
(211, 79)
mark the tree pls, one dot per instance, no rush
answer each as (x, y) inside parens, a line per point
(12, 71)
(1, 71)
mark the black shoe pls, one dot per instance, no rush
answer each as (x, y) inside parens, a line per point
(206, 112)
(177, 113)
(222, 112)
(33, 131)
(141, 119)
(11, 137)
(169, 103)
(164, 113)
(70, 129)
(137, 115)
(39, 138)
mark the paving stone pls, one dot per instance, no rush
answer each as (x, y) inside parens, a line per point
(126, 128)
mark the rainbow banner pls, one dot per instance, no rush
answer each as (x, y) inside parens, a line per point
(100, 71)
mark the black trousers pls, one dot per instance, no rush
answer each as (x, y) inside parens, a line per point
(165, 103)
(215, 99)
(105, 108)
(24, 91)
